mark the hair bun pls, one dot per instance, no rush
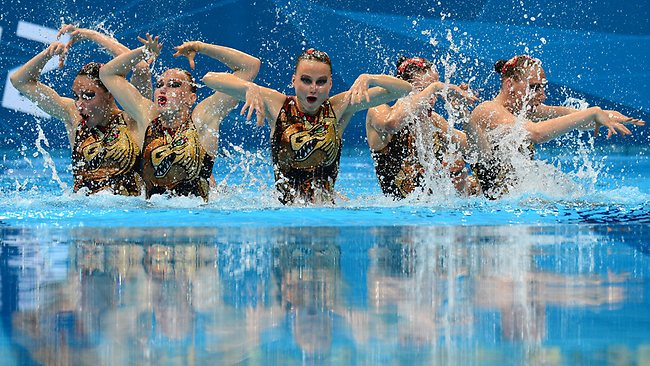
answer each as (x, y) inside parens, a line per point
(498, 66)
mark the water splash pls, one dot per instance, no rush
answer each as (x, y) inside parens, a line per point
(48, 162)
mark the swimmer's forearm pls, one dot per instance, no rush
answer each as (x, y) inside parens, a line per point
(393, 85)
(227, 83)
(122, 64)
(242, 64)
(31, 71)
(141, 78)
(104, 40)
(552, 128)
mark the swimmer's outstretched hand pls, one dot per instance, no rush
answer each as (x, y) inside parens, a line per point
(614, 121)
(460, 96)
(253, 103)
(189, 50)
(359, 90)
(57, 49)
(152, 46)
(625, 119)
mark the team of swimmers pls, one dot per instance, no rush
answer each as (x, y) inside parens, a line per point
(165, 142)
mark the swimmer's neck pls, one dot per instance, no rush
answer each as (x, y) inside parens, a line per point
(174, 120)
(103, 119)
(508, 103)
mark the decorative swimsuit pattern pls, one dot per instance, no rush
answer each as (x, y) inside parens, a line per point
(397, 166)
(306, 151)
(174, 161)
(105, 157)
(495, 176)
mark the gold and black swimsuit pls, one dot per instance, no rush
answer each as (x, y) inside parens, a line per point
(306, 151)
(397, 166)
(174, 161)
(106, 157)
(496, 175)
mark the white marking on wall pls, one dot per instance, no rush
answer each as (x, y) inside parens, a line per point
(11, 98)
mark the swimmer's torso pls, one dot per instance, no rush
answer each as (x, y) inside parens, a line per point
(306, 153)
(496, 173)
(397, 166)
(106, 158)
(175, 161)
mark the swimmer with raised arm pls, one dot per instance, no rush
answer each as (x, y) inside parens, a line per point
(520, 102)
(105, 141)
(181, 141)
(392, 130)
(306, 129)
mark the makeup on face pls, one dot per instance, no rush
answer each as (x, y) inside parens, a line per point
(171, 83)
(84, 95)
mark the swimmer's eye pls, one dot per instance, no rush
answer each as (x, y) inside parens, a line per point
(305, 80)
(321, 82)
(174, 84)
(84, 95)
(170, 84)
(537, 87)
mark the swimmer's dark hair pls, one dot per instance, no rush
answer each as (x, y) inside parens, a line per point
(189, 76)
(314, 55)
(408, 67)
(515, 67)
(91, 70)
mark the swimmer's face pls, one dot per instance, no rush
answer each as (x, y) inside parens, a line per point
(423, 79)
(530, 90)
(312, 82)
(91, 100)
(173, 91)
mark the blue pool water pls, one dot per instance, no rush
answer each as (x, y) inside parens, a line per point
(557, 273)
(549, 276)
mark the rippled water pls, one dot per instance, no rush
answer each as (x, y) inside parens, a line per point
(557, 274)
(495, 295)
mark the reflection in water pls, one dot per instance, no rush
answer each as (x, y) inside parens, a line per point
(340, 295)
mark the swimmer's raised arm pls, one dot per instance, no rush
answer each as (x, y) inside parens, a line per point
(209, 113)
(404, 108)
(26, 81)
(368, 91)
(141, 77)
(113, 75)
(242, 64)
(258, 98)
(539, 132)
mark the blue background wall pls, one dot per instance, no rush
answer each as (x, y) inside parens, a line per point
(597, 51)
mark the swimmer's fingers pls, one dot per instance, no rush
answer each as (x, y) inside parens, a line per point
(260, 118)
(253, 102)
(189, 50)
(637, 122)
(55, 48)
(597, 130)
(622, 129)
(66, 28)
(190, 59)
(359, 90)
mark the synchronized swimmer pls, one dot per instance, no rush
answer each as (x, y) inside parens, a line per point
(163, 144)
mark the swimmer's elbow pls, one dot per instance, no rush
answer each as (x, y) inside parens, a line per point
(19, 82)
(255, 67)
(535, 135)
(105, 75)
